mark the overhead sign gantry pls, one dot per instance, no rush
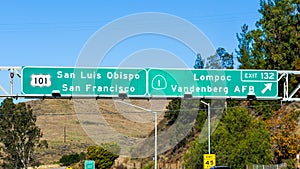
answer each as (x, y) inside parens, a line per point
(149, 83)
(40, 82)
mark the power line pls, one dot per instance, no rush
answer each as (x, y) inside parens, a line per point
(142, 112)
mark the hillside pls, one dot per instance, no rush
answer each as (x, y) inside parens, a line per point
(61, 122)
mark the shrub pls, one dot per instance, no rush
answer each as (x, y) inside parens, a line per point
(69, 159)
(149, 165)
(103, 158)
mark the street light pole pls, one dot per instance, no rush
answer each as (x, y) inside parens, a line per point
(155, 127)
(208, 124)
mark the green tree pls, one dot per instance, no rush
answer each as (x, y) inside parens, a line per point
(263, 109)
(199, 64)
(102, 157)
(243, 52)
(193, 157)
(173, 109)
(19, 134)
(241, 139)
(213, 62)
(274, 44)
(220, 60)
(226, 58)
(238, 140)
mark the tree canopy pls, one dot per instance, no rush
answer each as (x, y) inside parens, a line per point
(104, 155)
(239, 139)
(18, 134)
(199, 64)
(220, 60)
(284, 139)
(275, 42)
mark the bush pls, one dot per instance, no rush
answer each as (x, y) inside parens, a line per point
(290, 163)
(69, 159)
(149, 165)
(103, 158)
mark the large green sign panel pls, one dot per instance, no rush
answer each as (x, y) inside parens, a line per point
(83, 81)
(135, 82)
(212, 83)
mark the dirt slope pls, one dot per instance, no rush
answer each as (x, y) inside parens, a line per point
(62, 121)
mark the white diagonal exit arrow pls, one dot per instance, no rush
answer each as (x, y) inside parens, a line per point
(268, 86)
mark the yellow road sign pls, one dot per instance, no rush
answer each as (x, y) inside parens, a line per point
(209, 160)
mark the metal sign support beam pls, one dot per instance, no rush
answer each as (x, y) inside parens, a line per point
(285, 74)
(12, 71)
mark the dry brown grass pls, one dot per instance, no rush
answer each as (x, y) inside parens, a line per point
(63, 131)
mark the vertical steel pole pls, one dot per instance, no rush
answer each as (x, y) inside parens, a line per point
(208, 126)
(11, 74)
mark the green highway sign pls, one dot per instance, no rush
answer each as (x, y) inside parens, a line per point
(149, 83)
(212, 83)
(89, 164)
(84, 81)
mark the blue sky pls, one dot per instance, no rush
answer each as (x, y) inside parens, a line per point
(52, 33)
